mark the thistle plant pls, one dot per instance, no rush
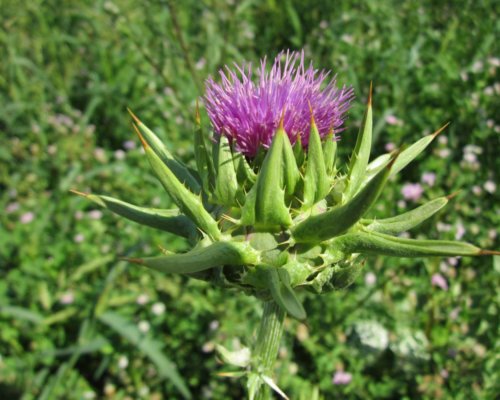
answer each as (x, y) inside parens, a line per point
(268, 211)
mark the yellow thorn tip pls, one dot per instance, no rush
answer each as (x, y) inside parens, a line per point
(141, 138)
(79, 193)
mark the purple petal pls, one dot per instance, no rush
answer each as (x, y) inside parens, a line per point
(248, 112)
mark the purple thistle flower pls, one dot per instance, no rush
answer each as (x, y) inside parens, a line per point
(248, 112)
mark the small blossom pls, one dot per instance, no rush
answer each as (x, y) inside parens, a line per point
(123, 362)
(477, 66)
(349, 39)
(439, 281)
(390, 147)
(341, 378)
(490, 186)
(120, 154)
(370, 279)
(454, 313)
(442, 227)
(129, 145)
(412, 191)
(472, 148)
(494, 61)
(79, 238)
(477, 190)
(393, 120)
(444, 373)
(323, 24)
(429, 178)
(214, 325)
(142, 299)
(443, 140)
(444, 153)
(144, 326)
(249, 113)
(201, 63)
(95, 214)
(401, 204)
(67, 298)
(12, 207)
(471, 158)
(492, 234)
(208, 347)
(444, 267)
(100, 154)
(27, 218)
(158, 308)
(453, 261)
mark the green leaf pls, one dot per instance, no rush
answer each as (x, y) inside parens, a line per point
(336, 221)
(410, 153)
(283, 294)
(330, 154)
(408, 220)
(265, 205)
(21, 313)
(90, 266)
(181, 172)
(344, 277)
(226, 182)
(291, 174)
(166, 220)
(188, 203)
(407, 156)
(380, 244)
(244, 172)
(298, 152)
(316, 182)
(361, 153)
(201, 259)
(204, 162)
(150, 347)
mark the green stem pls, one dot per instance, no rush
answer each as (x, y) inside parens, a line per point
(267, 346)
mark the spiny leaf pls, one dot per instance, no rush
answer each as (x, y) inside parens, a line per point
(380, 244)
(339, 219)
(265, 205)
(178, 168)
(361, 153)
(316, 182)
(330, 153)
(188, 203)
(406, 157)
(283, 294)
(291, 174)
(201, 259)
(408, 220)
(226, 182)
(166, 220)
(204, 162)
(298, 152)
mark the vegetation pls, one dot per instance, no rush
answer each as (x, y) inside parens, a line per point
(77, 322)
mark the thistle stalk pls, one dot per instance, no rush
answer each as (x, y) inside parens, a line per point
(266, 349)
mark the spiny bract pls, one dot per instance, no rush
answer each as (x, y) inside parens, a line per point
(284, 220)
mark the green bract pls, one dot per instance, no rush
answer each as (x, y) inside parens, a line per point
(285, 220)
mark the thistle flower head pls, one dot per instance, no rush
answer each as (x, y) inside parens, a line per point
(248, 112)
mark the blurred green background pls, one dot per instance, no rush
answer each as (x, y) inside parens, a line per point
(78, 323)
